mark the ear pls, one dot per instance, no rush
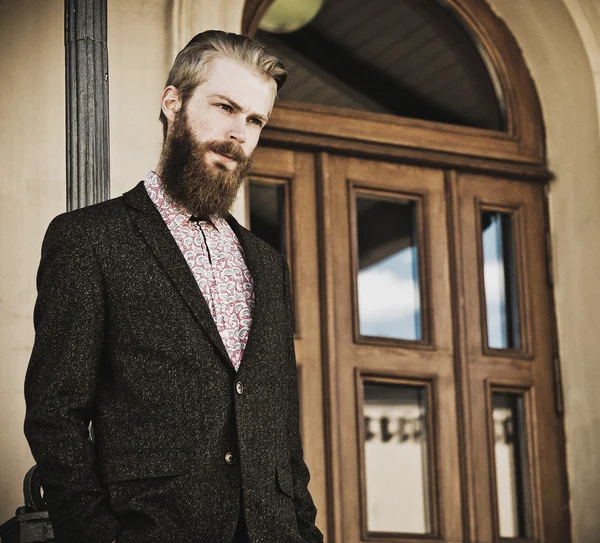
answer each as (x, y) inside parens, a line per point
(170, 103)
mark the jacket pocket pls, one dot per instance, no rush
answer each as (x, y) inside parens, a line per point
(285, 481)
(144, 465)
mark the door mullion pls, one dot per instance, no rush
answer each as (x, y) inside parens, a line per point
(463, 402)
(328, 318)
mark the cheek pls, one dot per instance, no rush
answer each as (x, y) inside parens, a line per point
(251, 141)
(205, 126)
(203, 132)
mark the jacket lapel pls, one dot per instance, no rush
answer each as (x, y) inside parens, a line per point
(156, 234)
(257, 268)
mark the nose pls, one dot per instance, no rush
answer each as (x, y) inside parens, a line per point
(237, 131)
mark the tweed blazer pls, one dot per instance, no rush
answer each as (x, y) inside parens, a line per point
(125, 340)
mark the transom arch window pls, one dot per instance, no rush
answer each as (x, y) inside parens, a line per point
(408, 58)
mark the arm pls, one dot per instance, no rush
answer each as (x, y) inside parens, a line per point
(60, 385)
(305, 509)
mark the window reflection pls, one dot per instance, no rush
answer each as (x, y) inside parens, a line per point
(389, 299)
(500, 280)
(396, 458)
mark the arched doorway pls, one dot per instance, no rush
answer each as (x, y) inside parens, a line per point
(424, 311)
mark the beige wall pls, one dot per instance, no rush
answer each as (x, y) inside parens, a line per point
(586, 15)
(139, 56)
(562, 70)
(32, 154)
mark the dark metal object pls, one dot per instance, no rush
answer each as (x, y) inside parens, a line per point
(32, 491)
(86, 65)
(27, 528)
(31, 523)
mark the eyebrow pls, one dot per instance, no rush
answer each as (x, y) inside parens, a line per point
(235, 105)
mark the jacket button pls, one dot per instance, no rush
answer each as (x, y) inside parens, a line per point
(239, 388)
(230, 458)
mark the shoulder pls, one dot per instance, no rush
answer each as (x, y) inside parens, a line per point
(88, 223)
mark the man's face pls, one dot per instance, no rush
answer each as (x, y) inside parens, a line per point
(231, 104)
(207, 153)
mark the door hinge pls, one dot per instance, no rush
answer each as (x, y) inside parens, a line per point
(558, 393)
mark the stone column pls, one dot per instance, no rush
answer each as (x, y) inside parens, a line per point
(86, 67)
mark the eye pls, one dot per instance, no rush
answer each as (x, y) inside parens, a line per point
(225, 107)
(256, 121)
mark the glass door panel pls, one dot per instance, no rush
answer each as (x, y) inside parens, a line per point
(396, 462)
(500, 280)
(511, 462)
(269, 212)
(388, 284)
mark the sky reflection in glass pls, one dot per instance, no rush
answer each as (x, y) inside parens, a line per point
(388, 279)
(500, 281)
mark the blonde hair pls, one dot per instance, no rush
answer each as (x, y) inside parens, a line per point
(193, 60)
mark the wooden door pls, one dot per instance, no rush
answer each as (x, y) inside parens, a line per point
(514, 438)
(424, 345)
(376, 214)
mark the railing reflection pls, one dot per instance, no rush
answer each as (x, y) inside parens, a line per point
(396, 459)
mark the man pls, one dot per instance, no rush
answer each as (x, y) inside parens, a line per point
(168, 326)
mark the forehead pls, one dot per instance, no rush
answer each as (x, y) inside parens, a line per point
(227, 77)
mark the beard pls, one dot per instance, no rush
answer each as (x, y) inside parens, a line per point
(203, 189)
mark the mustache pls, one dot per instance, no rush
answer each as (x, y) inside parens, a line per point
(228, 148)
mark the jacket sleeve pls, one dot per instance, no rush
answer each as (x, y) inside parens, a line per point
(61, 382)
(306, 511)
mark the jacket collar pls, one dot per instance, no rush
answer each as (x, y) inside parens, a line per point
(157, 236)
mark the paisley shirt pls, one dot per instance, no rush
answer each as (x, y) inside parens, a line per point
(214, 255)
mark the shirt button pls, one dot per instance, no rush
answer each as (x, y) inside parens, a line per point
(230, 458)
(239, 388)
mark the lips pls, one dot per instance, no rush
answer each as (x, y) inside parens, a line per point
(228, 157)
(225, 160)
